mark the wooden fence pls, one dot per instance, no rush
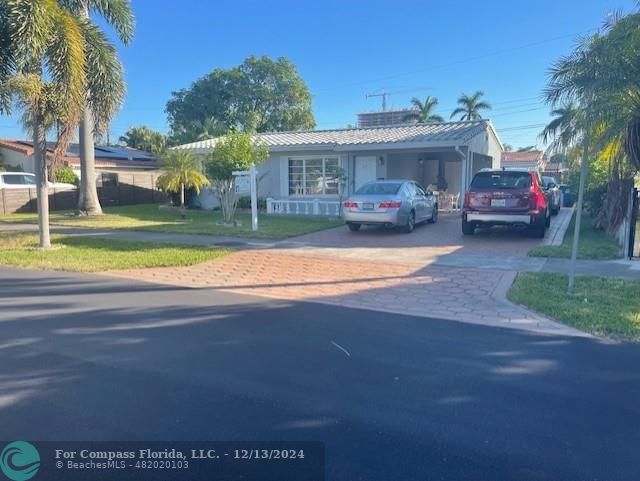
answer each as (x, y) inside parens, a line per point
(113, 189)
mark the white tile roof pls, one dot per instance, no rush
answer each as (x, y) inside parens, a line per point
(419, 134)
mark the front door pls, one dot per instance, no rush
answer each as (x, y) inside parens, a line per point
(365, 170)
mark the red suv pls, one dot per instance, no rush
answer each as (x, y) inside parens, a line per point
(514, 197)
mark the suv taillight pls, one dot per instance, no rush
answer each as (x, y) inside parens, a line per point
(467, 199)
(538, 200)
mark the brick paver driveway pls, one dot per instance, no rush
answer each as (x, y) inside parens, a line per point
(373, 269)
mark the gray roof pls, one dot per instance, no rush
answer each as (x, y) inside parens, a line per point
(452, 133)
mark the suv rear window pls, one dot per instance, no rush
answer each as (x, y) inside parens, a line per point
(502, 180)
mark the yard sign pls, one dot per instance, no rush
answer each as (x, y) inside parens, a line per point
(245, 181)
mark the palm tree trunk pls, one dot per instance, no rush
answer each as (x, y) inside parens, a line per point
(88, 201)
(42, 188)
(182, 195)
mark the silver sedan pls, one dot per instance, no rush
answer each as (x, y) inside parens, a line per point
(394, 203)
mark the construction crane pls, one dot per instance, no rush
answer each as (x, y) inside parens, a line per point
(384, 94)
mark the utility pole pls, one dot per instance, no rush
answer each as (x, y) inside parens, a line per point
(384, 94)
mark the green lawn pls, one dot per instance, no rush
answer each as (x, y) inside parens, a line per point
(150, 217)
(92, 254)
(601, 306)
(594, 244)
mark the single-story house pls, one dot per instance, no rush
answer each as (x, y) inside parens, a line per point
(531, 159)
(109, 159)
(302, 173)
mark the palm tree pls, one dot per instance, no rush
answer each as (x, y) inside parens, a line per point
(181, 171)
(470, 106)
(144, 138)
(423, 112)
(103, 97)
(563, 130)
(43, 65)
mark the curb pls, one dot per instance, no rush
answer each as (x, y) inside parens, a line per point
(544, 324)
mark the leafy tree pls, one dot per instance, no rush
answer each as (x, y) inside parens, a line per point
(470, 106)
(423, 111)
(144, 138)
(235, 151)
(259, 95)
(528, 148)
(181, 171)
(49, 58)
(507, 147)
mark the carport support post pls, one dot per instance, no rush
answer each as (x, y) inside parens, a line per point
(576, 230)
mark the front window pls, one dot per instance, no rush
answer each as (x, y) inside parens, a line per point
(313, 176)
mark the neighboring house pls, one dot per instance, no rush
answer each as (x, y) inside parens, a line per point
(532, 159)
(111, 159)
(301, 174)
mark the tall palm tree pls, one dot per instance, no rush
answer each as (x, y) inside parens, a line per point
(423, 111)
(43, 65)
(101, 103)
(470, 106)
(53, 60)
(181, 171)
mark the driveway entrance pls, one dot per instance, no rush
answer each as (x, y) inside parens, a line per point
(397, 273)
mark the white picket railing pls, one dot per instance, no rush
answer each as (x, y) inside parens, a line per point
(328, 208)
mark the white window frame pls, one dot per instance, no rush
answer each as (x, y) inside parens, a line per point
(304, 159)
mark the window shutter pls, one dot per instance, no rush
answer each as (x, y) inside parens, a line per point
(284, 176)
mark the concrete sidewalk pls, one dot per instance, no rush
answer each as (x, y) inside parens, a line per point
(512, 263)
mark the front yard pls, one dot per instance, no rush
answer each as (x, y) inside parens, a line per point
(150, 218)
(92, 254)
(594, 244)
(601, 306)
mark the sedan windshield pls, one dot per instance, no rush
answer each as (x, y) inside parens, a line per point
(502, 180)
(379, 189)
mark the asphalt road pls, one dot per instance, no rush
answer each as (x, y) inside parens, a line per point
(393, 397)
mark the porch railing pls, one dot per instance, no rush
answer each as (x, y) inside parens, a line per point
(328, 208)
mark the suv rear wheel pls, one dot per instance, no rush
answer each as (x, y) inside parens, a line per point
(539, 227)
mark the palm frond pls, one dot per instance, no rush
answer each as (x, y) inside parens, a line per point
(105, 77)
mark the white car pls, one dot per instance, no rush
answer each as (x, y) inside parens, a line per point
(21, 180)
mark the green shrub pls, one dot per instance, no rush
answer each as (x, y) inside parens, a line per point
(244, 202)
(65, 175)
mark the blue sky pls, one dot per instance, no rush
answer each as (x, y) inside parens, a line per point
(345, 49)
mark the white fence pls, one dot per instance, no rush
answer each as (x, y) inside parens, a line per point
(327, 208)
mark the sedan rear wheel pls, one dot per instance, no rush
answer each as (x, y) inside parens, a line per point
(354, 227)
(411, 223)
(434, 215)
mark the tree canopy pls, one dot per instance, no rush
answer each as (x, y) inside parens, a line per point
(144, 138)
(259, 95)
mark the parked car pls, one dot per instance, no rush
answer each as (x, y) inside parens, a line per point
(394, 203)
(553, 191)
(512, 197)
(21, 180)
